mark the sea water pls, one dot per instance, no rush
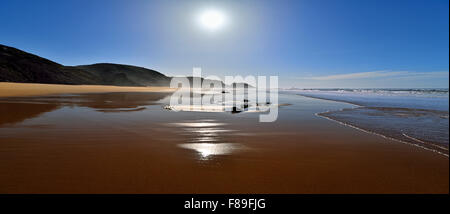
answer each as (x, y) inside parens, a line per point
(417, 116)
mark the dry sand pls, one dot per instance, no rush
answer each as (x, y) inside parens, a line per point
(32, 89)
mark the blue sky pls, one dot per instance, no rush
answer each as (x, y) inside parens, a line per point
(307, 43)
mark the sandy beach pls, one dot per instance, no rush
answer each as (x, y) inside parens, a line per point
(31, 89)
(126, 142)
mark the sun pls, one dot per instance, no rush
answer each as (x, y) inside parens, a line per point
(212, 19)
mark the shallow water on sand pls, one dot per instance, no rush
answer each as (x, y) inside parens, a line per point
(128, 143)
(419, 117)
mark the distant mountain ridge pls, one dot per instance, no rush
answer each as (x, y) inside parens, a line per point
(20, 66)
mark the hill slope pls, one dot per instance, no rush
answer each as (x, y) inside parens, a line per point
(117, 74)
(19, 66)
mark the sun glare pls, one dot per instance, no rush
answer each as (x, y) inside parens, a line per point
(212, 19)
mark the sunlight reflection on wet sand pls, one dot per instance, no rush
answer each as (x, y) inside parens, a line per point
(210, 149)
(199, 124)
(207, 137)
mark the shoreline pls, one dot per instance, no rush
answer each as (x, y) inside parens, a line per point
(8, 89)
(320, 114)
(381, 135)
(326, 99)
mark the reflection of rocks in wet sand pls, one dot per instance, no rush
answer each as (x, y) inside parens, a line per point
(122, 110)
(224, 107)
(104, 102)
(11, 113)
(122, 101)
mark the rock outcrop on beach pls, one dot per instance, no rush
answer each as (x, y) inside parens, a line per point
(23, 67)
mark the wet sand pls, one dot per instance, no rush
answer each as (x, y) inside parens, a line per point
(400, 118)
(71, 145)
(31, 89)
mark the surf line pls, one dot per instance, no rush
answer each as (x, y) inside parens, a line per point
(426, 143)
(374, 133)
